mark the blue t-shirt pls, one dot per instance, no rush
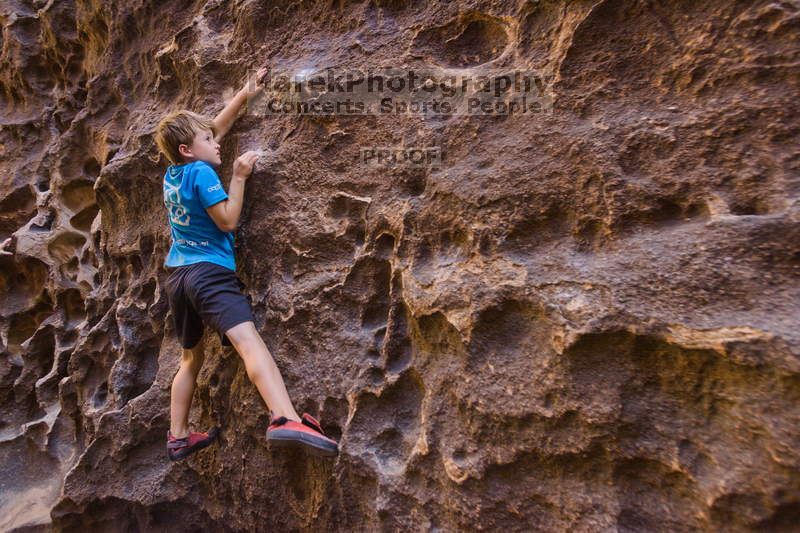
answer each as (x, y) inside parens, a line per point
(189, 189)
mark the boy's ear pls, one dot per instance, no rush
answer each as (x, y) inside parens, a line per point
(184, 150)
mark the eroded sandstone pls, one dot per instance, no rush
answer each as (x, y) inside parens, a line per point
(585, 320)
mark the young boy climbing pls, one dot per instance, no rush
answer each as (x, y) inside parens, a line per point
(203, 288)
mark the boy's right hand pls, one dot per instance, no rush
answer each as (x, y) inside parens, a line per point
(243, 166)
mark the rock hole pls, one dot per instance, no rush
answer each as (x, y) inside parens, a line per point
(135, 374)
(16, 209)
(367, 288)
(44, 223)
(749, 206)
(387, 425)
(22, 280)
(421, 262)
(376, 310)
(73, 305)
(548, 401)
(384, 246)
(83, 220)
(358, 235)
(87, 255)
(472, 40)
(148, 291)
(78, 194)
(697, 210)
(379, 337)
(146, 245)
(91, 167)
(61, 123)
(136, 264)
(23, 325)
(386, 446)
(100, 395)
(398, 356)
(413, 182)
(338, 207)
(334, 412)
(64, 247)
(590, 233)
(785, 517)
(375, 376)
(481, 41)
(666, 211)
(111, 154)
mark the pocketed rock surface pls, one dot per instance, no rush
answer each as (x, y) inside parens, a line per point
(582, 320)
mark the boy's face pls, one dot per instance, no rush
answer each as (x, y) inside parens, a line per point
(203, 148)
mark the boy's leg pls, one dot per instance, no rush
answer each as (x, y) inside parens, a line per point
(183, 388)
(262, 370)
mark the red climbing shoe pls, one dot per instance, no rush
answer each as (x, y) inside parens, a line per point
(307, 432)
(180, 448)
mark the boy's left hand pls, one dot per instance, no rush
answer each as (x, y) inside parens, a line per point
(6, 248)
(254, 84)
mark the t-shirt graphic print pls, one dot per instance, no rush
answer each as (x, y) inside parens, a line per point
(189, 190)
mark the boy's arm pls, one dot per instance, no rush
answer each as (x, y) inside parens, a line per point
(225, 214)
(226, 117)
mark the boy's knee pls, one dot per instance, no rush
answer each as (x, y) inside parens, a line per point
(193, 356)
(243, 335)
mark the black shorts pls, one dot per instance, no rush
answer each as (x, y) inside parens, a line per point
(206, 294)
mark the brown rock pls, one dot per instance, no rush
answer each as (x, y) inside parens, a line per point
(584, 320)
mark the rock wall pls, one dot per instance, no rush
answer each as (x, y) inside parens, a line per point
(586, 320)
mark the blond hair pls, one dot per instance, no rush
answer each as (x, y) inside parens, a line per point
(177, 128)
